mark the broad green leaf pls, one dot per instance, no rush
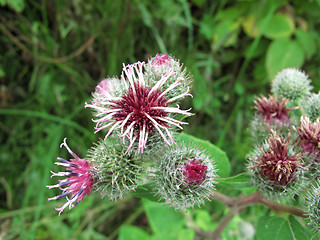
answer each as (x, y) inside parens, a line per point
(279, 26)
(128, 232)
(161, 218)
(283, 53)
(278, 228)
(239, 181)
(306, 42)
(220, 157)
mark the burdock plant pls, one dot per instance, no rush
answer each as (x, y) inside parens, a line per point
(141, 149)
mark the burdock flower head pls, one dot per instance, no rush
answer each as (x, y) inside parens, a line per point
(142, 110)
(78, 181)
(184, 177)
(276, 169)
(309, 137)
(272, 109)
(272, 113)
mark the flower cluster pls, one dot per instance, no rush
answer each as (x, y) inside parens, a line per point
(282, 157)
(286, 159)
(139, 114)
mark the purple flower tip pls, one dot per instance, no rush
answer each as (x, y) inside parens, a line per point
(78, 181)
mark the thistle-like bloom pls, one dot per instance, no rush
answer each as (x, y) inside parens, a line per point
(184, 177)
(272, 109)
(78, 181)
(275, 166)
(141, 110)
(309, 137)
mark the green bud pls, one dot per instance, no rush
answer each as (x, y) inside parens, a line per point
(115, 171)
(291, 84)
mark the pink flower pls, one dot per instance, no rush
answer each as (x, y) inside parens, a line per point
(142, 110)
(194, 172)
(78, 181)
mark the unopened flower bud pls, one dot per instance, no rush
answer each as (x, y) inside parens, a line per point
(116, 173)
(291, 84)
(184, 177)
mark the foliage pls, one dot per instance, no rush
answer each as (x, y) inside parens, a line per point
(53, 53)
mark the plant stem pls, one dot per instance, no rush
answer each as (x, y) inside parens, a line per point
(256, 198)
(236, 204)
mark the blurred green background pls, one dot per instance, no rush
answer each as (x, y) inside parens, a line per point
(53, 53)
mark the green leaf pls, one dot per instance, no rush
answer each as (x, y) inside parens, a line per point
(283, 53)
(220, 157)
(278, 228)
(306, 42)
(279, 26)
(162, 219)
(186, 234)
(128, 232)
(239, 181)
